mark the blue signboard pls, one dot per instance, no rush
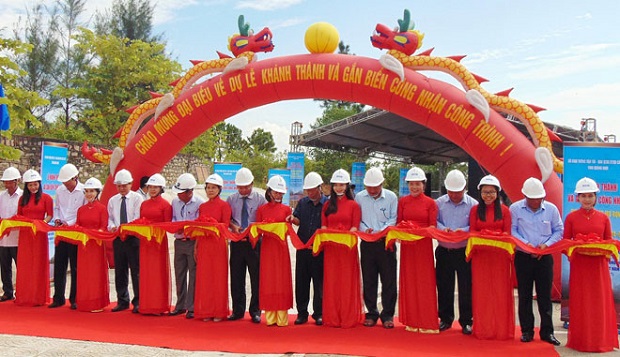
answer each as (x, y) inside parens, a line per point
(295, 164)
(286, 175)
(403, 187)
(358, 170)
(228, 172)
(600, 162)
(53, 157)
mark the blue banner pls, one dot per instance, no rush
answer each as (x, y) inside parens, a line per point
(228, 172)
(295, 164)
(358, 170)
(600, 162)
(286, 175)
(5, 123)
(53, 157)
(403, 187)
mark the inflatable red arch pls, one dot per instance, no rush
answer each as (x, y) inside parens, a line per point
(496, 144)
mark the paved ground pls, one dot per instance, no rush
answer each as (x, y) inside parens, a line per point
(12, 345)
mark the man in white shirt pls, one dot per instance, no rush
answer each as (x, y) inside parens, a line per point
(124, 207)
(9, 200)
(69, 197)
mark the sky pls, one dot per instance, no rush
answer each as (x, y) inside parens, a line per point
(560, 55)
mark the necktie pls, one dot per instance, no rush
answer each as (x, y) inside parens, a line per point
(244, 213)
(123, 209)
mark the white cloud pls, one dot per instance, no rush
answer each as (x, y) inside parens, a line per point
(266, 5)
(286, 23)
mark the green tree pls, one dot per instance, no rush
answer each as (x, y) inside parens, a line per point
(229, 142)
(131, 19)
(202, 147)
(261, 141)
(120, 74)
(19, 101)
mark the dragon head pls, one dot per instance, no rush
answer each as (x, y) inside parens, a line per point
(403, 38)
(247, 41)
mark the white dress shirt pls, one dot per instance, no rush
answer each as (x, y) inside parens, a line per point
(8, 208)
(67, 203)
(133, 202)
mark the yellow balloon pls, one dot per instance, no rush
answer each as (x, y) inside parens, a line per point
(321, 37)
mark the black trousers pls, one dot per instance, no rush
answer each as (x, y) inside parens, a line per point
(127, 257)
(378, 262)
(65, 255)
(531, 270)
(243, 257)
(7, 256)
(308, 268)
(451, 263)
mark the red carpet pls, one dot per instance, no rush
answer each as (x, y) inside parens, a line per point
(245, 337)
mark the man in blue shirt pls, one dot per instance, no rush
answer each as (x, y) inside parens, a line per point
(307, 216)
(379, 209)
(453, 215)
(537, 223)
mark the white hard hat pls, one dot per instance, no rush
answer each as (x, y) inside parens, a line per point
(67, 172)
(31, 176)
(312, 180)
(215, 179)
(244, 177)
(586, 185)
(123, 177)
(415, 174)
(491, 181)
(156, 180)
(93, 184)
(11, 174)
(184, 182)
(533, 188)
(340, 176)
(277, 184)
(455, 181)
(373, 177)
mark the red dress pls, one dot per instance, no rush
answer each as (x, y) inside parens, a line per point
(275, 291)
(211, 294)
(342, 295)
(92, 275)
(417, 301)
(33, 262)
(591, 306)
(155, 261)
(492, 277)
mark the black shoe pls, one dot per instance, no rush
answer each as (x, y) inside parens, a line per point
(444, 326)
(120, 307)
(467, 330)
(55, 304)
(73, 306)
(319, 321)
(256, 319)
(135, 309)
(4, 298)
(527, 337)
(235, 317)
(550, 339)
(189, 315)
(177, 312)
(301, 320)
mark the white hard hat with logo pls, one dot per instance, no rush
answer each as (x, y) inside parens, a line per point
(11, 174)
(123, 177)
(415, 174)
(31, 176)
(533, 188)
(93, 184)
(277, 184)
(67, 172)
(455, 181)
(244, 177)
(586, 185)
(156, 180)
(215, 179)
(491, 181)
(184, 182)
(312, 180)
(373, 177)
(340, 176)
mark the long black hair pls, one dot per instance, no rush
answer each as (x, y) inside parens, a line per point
(332, 205)
(482, 207)
(26, 195)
